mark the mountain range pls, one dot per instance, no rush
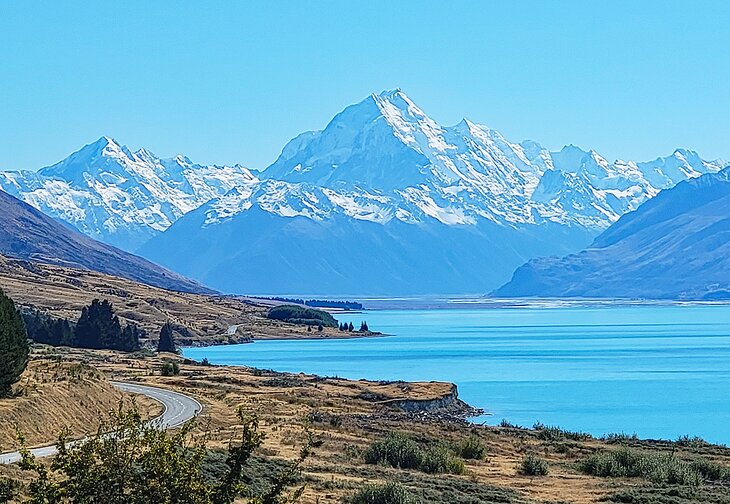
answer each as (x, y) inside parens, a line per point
(674, 246)
(383, 200)
(118, 196)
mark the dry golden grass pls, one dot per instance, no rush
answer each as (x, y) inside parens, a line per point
(346, 416)
(57, 395)
(63, 292)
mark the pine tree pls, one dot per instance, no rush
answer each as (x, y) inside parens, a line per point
(167, 342)
(320, 328)
(14, 347)
(98, 327)
(351, 327)
(129, 341)
(364, 327)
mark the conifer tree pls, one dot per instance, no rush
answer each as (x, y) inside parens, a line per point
(98, 327)
(14, 347)
(351, 327)
(364, 327)
(167, 342)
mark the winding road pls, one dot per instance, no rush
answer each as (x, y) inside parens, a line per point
(178, 409)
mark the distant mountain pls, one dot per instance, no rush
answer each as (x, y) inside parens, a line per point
(26, 233)
(122, 197)
(386, 201)
(675, 246)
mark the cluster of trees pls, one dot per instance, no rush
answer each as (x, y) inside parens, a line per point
(320, 303)
(351, 328)
(14, 349)
(97, 328)
(301, 315)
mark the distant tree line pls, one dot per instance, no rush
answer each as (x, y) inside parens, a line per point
(320, 303)
(97, 328)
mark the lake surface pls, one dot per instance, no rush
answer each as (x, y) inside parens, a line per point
(658, 371)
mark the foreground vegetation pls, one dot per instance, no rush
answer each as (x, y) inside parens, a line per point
(131, 461)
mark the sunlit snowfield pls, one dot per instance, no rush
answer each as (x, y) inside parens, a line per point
(659, 371)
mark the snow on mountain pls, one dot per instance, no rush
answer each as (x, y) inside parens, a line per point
(388, 146)
(675, 246)
(122, 197)
(462, 203)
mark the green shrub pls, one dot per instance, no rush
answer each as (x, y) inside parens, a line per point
(620, 438)
(711, 471)
(440, 460)
(506, 424)
(170, 368)
(691, 442)
(471, 448)
(554, 433)
(7, 489)
(656, 467)
(396, 451)
(402, 452)
(388, 493)
(533, 466)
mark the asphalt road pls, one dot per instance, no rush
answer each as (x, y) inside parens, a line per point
(179, 408)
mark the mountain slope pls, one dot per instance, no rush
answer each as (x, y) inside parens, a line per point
(675, 246)
(27, 233)
(122, 197)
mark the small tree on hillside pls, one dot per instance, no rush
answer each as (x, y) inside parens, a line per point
(167, 342)
(351, 327)
(364, 327)
(14, 347)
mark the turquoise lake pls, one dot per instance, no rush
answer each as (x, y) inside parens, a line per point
(658, 371)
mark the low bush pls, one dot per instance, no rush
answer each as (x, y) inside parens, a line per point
(471, 448)
(404, 453)
(170, 368)
(396, 451)
(440, 460)
(388, 493)
(534, 466)
(656, 467)
(554, 433)
(620, 438)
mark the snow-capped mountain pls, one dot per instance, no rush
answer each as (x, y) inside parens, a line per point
(122, 197)
(385, 200)
(384, 158)
(674, 246)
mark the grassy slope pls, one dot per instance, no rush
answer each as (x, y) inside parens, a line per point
(64, 291)
(54, 395)
(347, 415)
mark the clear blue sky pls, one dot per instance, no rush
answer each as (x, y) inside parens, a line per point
(233, 81)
